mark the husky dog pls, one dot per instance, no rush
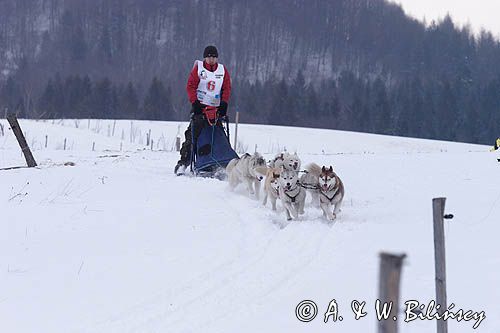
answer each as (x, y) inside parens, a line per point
(277, 161)
(287, 161)
(331, 192)
(330, 189)
(249, 169)
(271, 186)
(291, 194)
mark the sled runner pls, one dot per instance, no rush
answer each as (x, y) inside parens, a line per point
(212, 151)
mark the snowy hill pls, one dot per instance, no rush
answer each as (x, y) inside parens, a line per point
(117, 243)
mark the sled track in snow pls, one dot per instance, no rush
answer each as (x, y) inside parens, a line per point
(250, 276)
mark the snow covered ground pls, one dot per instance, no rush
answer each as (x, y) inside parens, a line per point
(117, 243)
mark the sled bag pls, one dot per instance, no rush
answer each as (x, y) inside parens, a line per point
(213, 149)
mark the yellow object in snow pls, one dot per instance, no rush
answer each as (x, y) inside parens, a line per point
(496, 146)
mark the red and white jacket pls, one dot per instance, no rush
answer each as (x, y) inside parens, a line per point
(195, 79)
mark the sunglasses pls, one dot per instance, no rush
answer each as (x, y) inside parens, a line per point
(211, 56)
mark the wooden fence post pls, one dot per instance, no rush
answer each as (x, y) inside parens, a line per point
(440, 260)
(237, 120)
(178, 143)
(390, 276)
(14, 124)
(131, 131)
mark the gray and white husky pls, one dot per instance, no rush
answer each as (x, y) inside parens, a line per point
(249, 169)
(330, 189)
(287, 161)
(291, 194)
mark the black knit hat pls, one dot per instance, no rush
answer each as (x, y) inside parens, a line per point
(210, 51)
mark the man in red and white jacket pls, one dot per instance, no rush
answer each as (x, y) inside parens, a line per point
(209, 84)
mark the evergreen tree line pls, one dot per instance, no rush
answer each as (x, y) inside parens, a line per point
(366, 66)
(447, 109)
(80, 97)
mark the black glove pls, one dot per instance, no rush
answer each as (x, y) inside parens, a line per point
(197, 107)
(222, 109)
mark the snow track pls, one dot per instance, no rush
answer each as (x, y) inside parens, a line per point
(225, 290)
(117, 243)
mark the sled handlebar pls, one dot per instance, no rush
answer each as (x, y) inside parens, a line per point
(211, 114)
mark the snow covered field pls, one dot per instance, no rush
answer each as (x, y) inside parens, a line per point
(117, 243)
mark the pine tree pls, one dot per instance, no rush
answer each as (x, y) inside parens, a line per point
(58, 103)
(85, 108)
(10, 95)
(103, 100)
(380, 109)
(129, 102)
(46, 103)
(280, 111)
(157, 104)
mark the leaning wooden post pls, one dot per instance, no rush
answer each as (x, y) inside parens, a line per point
(237, 120)
(14, 124)
(390, 276)
(440, 260)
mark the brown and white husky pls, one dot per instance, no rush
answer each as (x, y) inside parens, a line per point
(271, 186)
(330, 189)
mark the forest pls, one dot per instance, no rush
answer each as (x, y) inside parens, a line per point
(344, 64)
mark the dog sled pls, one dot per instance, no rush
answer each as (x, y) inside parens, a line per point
(211, 151)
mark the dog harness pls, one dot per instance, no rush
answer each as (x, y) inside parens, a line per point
(292, 197)
(324, 194)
